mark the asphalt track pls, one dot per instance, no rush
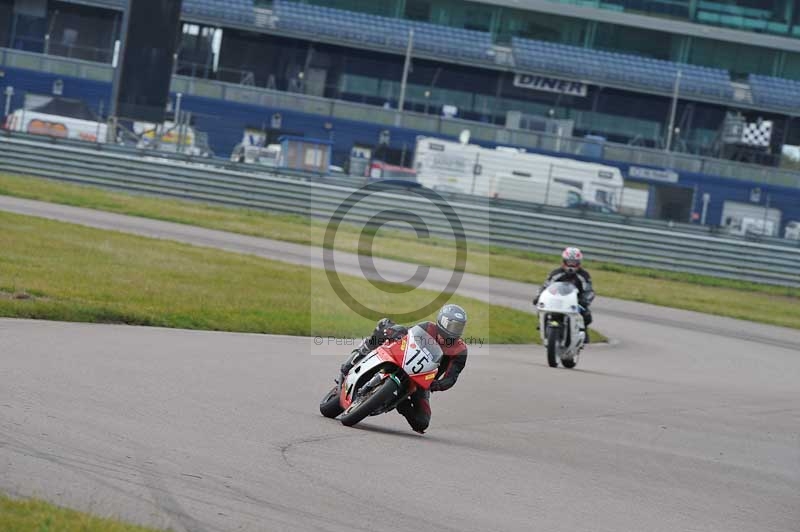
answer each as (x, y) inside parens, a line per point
(685, 422)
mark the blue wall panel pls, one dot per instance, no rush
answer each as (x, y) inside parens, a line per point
(92, 92)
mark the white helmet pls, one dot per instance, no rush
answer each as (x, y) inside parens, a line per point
(571, 259)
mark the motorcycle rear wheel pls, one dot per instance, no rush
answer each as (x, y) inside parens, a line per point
(330, 406)
(367, 405)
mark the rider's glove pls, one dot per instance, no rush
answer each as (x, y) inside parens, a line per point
(395, 332)
(384, 324)
(436, 386)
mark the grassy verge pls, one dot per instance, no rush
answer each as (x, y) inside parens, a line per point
(37, 516)
(58, 271)
(687, 291)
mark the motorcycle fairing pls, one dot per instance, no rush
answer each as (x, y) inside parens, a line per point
(417, 355)
(365, 369)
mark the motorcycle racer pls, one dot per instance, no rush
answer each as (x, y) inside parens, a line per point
(572, 271)
(447, 330)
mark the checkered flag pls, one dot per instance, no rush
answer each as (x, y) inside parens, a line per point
(757, 134)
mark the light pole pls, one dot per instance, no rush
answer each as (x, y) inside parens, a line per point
(49, 32)
(706, 201)
(404, 80)
(9, 92)
(117, 63)
(674, 110)
(766, 216)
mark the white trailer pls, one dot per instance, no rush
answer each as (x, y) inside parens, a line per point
(748, 219)
(50, 125)
(535, 189)
(514, 174)
(253, 149)
(792, 231)
(172, 138)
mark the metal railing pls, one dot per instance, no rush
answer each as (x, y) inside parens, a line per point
(502, 226)
(207, 71)
(148, 151)
(62, 66)
(430, 124)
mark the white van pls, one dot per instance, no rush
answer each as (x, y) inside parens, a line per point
(471, 169)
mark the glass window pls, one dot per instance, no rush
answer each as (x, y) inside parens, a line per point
(361, 85)
(746, 14)
(387, 8)
(418, 10)
(639, 41)
(389, 89)
(739, 59)
(461, 14)
(6, 11)
(754, 9)
(461, 99)
(485, 104)
(668, 8)
(543, 27)
(791, 66)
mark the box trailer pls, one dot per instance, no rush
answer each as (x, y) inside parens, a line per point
(510, 173)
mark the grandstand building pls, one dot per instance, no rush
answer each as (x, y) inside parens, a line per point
(512, 71)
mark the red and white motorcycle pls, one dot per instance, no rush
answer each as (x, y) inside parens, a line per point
(384, 378)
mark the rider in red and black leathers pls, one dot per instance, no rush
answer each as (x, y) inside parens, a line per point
(417, 409)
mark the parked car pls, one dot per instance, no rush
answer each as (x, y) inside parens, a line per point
(792, 231)
(592, 207)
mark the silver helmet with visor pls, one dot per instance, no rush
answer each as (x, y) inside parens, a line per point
(451, 321)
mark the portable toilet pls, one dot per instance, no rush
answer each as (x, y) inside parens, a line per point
(305, 154)
(593, 148)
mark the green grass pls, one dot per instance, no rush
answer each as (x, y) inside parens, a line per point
(59, 271)
(770, 304)
(37, 516)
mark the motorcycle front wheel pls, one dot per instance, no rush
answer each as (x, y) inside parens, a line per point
(370, 402)
(330, 406)
(552, 347)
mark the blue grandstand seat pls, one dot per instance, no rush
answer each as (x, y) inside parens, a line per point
(775, 92)
(438, 40)
(240, 11)
(612, 67)
(113, 4)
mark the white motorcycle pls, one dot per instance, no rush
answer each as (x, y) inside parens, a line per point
(561, 324)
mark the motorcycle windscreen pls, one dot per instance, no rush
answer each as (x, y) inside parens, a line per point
(422, 353)
(562, 289)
